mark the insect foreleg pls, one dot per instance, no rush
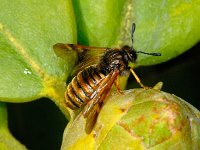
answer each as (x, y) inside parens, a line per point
(138, 79)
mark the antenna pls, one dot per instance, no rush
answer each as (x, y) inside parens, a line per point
(153, 54)
(133, 30)
(132, 38)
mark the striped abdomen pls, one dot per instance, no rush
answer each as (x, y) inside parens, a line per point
(82, 86)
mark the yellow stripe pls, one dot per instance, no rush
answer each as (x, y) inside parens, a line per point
(50, 83)
(21, 50)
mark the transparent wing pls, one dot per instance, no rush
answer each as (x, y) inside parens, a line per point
(92, 108)
(87, 55)
(90, 56)
(63, 50)
(92, 118)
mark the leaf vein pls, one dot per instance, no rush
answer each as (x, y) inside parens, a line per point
(21, 50)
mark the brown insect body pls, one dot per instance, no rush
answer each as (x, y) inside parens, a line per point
(89, 83)
(97, 72)
(82, 86)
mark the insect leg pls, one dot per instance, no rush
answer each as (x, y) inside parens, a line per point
(138, 79)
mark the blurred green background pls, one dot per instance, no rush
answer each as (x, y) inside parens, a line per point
(180, 76)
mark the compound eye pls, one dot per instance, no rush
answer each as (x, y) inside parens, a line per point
(132, 56)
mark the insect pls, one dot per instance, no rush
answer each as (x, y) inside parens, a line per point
(97, 72)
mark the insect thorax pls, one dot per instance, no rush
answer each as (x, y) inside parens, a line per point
(113, 59)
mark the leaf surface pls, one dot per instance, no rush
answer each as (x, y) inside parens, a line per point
(29, 67)
(168, 27)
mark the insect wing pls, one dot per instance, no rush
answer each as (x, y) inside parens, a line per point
(92, 118)
(63, 50)
(92, 108)
(89, 56)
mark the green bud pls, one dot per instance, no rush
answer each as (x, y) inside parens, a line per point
(138, 119)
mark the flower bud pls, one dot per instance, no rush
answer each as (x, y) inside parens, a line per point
(138, 119)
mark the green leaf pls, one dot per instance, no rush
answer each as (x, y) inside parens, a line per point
(98, 21)
(138, 119)
(7, 141)
(29, 67)
(169, 27)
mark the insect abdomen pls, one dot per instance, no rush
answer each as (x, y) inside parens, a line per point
(82, 86)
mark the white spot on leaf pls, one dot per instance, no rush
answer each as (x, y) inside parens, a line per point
(26, 71)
